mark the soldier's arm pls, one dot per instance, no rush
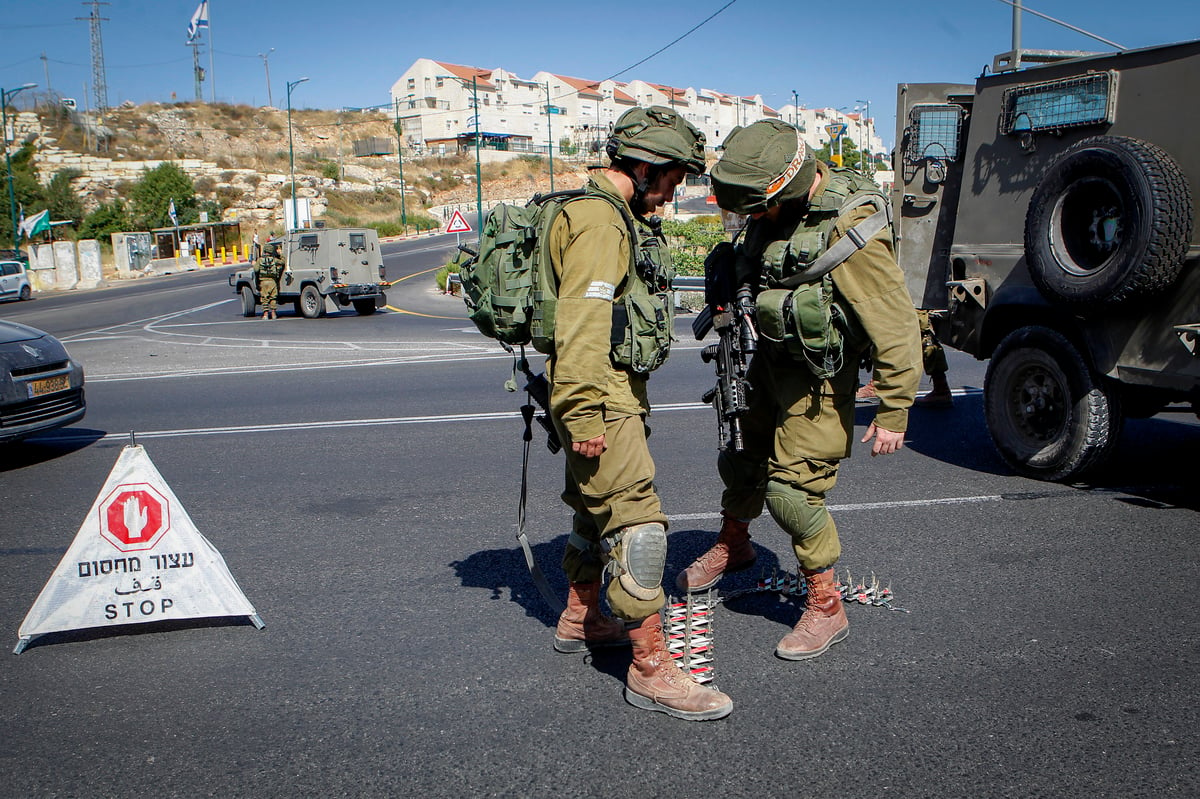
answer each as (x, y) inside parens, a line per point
(594, 259)
(873, 285)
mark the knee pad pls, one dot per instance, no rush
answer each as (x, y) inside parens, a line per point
(794, 512)
(639, 557)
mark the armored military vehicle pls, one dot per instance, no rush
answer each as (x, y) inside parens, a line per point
(338, 265)
(1048, 212)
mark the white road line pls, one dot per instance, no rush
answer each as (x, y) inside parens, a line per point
(904, 503)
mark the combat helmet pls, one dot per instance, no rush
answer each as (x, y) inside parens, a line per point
(762, 164)
(657, 135)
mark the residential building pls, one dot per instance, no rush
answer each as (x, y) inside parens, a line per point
(441, 106)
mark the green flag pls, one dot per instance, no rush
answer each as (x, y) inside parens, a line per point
(38, 223)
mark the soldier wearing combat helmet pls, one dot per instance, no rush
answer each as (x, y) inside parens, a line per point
(268, 271)
(815, 233)
(604, 252)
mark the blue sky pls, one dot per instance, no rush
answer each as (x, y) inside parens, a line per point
(832, 55)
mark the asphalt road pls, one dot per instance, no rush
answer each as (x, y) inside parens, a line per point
(360, 477)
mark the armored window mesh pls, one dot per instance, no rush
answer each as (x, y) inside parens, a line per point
(1059, 104)
(936, 130)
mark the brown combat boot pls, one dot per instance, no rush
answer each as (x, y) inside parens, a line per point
(823, 622)
(582, 626)
(732, 552)
(655, 681)
(940, 396)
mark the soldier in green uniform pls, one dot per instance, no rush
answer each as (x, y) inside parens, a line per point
(801, 402)
(614, 318)
(268, 270)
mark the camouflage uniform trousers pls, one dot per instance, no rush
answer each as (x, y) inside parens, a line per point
(797, 431)
(268, 293)
(608, 494)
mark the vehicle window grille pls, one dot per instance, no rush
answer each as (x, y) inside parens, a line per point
(934, 132)
(24, 371)
(1058, 104)
(309, 241)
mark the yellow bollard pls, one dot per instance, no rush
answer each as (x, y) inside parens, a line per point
(199, 263)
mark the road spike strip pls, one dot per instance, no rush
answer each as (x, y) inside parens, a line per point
(688, 622)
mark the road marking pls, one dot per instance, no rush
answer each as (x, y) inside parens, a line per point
(904, 503)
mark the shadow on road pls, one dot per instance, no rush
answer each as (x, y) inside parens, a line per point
(1148, 461)
(47, 447)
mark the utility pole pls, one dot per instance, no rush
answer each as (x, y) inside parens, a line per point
(478, 171)
(46, 68)
(99, 81)
(197, 70)
(549, 137)
(267, 68)
(796, 106)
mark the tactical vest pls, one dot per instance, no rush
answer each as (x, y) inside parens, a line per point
(269, 267)
(797, 305)
(643, 314)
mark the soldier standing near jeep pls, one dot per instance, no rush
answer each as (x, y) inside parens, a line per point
(598, 401)
(802, 377)
(268, 271)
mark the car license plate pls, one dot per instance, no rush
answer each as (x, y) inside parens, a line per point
(49, 385)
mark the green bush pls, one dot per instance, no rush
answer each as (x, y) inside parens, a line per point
(692, 241)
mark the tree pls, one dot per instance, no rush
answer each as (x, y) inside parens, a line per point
(151, 197)
(109, 218)
(26, 189)
(61, 199)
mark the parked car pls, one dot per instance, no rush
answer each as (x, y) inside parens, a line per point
(41, 388)
(14, 281)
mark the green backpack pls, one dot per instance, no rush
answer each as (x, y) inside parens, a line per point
(509, 298)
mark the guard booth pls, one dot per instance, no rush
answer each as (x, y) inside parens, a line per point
(204, 238)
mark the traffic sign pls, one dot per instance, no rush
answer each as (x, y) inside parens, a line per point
(836, 129)
(163, 568)
(134, 517)
(458, 224)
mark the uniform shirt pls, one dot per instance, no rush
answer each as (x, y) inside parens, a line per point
(589, 250)
(870, 284)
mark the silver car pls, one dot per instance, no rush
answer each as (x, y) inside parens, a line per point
(41, 388)
(14, 282)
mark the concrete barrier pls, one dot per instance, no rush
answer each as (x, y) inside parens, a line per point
(41, 267)
(91, 273)
(66, 272)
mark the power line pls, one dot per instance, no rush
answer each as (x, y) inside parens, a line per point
(674, 42)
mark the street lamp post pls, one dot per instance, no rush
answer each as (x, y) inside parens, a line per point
(267, 68)
(796, 108)
(867, 128)
(12, 202)
(400, 159)
(292, 154)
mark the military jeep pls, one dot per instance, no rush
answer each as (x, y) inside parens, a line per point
(1048, 215)
(325, 268)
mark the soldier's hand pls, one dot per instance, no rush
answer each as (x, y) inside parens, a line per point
(590, 448)
(886, 442)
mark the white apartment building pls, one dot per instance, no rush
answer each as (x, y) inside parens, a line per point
(436, 104)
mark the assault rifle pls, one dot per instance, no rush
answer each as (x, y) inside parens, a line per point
(730, 311)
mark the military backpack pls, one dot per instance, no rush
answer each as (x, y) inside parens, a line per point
(511, 292)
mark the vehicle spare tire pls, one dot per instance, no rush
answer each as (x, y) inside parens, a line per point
(1110, 222)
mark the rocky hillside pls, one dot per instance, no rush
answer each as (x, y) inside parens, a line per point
(239, 157)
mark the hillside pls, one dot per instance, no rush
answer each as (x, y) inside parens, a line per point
(238, 156)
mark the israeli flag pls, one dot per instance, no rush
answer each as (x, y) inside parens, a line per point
(199, 20)
(171, 213)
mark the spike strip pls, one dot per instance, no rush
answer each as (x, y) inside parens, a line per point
(788, 584)
(687, 627)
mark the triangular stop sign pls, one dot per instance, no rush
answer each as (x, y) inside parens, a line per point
(137, 558)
